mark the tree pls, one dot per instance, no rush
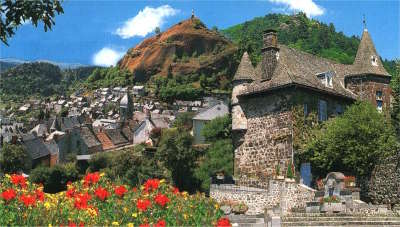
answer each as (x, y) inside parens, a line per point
(13, 158)
(176, 152)
(18, 12)
(218, 158)
(353, 143)
(218, 128)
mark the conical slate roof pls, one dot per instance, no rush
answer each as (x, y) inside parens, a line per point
(367, 59)
(245, 70)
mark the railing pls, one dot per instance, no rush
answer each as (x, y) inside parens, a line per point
(236, 188)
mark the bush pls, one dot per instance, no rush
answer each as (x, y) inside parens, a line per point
(218, 128)
(97, 201)
(13, 158)
(54, 179)
(353, 143)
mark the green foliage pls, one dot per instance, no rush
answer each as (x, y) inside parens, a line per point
(290, 171)
(17, 12)
(353, 142)
(54, 179)
(13, 158)
(176, 153)
(217, 129)
(128, 166)
(109, 77)
(31, 79)
(184, 121)
(157, 30)
(218, 158)
(177, 88)
(298, 32)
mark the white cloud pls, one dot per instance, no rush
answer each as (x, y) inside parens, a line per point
(107, 57)
(145, 21)
(307, 6)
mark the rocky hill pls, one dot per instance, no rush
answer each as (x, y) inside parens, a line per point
(186, 48)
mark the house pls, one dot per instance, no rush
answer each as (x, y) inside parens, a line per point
(116, 137)
(205, 116)
(138, 91)
(264, 99)
(40, 130)
(142, 132)
(36, 149)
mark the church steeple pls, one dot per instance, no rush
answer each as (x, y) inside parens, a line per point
(367, 60)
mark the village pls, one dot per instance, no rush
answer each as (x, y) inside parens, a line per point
(109, 119)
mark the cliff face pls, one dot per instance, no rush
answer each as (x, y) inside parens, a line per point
(186, 48)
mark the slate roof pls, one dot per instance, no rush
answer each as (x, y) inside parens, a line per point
(295, 67)
(218, 110)
(88, 137)
(362, 63)
(245, 70)
(34, 146)
(116, 136)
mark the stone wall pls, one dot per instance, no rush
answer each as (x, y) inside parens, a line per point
(267, 141)
(287, 195)
(365, 87)
(384, 187)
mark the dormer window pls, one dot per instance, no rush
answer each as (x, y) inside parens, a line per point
(374, 60)
(326, 78)
(378, 95)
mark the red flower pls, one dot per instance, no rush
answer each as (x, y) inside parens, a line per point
(81, 224)
(120, 191)
(175, 190)
(91, 178)
(28, 200)
(18, 180)
(70, 193)
(8, 194)
(151, 184)
(40, 195)
(223, 222)
(144, 225)
(81, 201)
(160, 223)
(71, 224)
(142, 205)
(161, 199)
(134, 189)
(101, 193)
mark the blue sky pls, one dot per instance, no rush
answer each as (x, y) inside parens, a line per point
(100, 32)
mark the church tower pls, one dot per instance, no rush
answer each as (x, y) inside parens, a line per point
(368, 79)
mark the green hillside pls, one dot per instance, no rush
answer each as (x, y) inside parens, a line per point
(39, 79)
(299, 32)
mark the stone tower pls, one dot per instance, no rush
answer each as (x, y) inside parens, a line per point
(368, 78)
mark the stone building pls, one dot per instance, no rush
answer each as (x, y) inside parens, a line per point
(264, 97)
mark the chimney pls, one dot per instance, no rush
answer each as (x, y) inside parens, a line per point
(270, 53)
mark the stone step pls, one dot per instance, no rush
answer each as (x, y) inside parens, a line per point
(246, 221)
(342, 223)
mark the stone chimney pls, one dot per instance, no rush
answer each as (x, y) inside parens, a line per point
(270, 54)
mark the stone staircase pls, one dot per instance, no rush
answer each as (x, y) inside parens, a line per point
(247, 220)
(104, 140)
(339, 220)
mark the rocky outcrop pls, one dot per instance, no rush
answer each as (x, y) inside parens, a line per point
(186, 48)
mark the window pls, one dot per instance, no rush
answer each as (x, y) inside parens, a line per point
(326, 78)
(305, 109)
(378, 95)
(339, 109)
(379, 105)
(322, 110)
(374, 60)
